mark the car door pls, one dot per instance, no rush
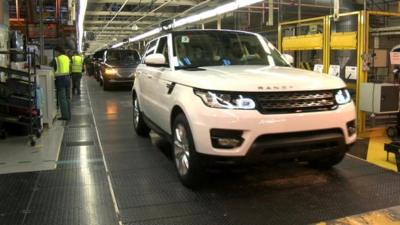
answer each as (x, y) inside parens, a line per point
(160, 88)
(143, 76)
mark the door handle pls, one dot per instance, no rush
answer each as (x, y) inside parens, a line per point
(149, 76)
(170, 87)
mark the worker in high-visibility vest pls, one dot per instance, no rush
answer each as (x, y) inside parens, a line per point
(76, 72)
(61, 65)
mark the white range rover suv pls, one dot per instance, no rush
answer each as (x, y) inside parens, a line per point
(231, 96)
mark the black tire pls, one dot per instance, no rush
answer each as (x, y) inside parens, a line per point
(392, 132)
(106, 85)
(328, 161)
(194, 173)
(97, 76)
(32, 141)
(139, 124)
(38, 134)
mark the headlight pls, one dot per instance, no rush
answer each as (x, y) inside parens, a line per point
(225, 100)
(343, 97)
(110, 71)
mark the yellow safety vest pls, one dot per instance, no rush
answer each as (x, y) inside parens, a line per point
(62, 65)
(77, 63)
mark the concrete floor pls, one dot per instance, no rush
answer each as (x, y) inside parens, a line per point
(16, 154)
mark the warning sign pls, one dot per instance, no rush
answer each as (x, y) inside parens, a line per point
(334, 70)
(395, 58)
(318, 68)
(351, 72)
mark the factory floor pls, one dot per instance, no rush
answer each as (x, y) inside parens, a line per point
(107, 175)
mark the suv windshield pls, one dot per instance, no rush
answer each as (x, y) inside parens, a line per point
(215, 48)
(122, 56)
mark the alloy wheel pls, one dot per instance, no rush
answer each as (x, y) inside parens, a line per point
(181, 150)
(136, 112)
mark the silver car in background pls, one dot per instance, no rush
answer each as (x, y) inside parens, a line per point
(118, 67)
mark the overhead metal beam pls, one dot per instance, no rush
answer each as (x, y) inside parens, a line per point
(151, 12)
(146, 2)
(111, 13)
(109, 34)
(98, 28)
(115, 22)
(204, 2)
(115, 14)
(114, 32)
(200, 4)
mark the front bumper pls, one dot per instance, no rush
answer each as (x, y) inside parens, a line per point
(281, 134)
(119, 80)
(122, 76)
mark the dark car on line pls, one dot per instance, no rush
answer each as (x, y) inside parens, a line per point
(117, 66)
(89, 65)
(97, 60)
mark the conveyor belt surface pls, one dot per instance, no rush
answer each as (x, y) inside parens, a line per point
(148, 192)
(138, 185)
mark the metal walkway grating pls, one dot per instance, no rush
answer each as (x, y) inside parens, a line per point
(77, 192)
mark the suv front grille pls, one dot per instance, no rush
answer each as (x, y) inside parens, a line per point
(126, 72)
(296, 102)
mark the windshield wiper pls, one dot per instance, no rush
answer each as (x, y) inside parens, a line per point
(191, 67)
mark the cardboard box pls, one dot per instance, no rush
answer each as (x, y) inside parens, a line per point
(381, 58)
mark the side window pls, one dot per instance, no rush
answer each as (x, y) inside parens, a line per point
(163, 48)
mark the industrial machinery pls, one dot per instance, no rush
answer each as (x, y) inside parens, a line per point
(379, 98)
(393, 131)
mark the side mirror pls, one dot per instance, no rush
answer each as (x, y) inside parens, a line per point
(288, 58)
(155, 60)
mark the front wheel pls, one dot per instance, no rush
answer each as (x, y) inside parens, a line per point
(186, 158)
(139, 124)
(106, 85)
(327, 162)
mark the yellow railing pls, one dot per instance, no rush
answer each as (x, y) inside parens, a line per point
(357, 40)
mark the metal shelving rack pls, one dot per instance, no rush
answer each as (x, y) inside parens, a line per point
(20, 106)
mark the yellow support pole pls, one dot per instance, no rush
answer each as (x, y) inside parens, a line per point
(326, 50)
(360, 72)
(363, 23)
(280, 37)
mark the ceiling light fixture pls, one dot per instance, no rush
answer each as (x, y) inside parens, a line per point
(81, 18)
(135, 27)
(229, 7)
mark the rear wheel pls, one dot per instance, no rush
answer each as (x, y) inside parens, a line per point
(139, 124)
(328, 161)
(187, 160)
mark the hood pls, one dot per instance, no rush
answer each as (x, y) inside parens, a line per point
(257, 79)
